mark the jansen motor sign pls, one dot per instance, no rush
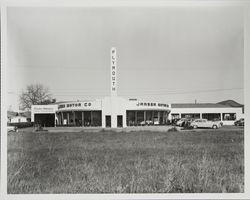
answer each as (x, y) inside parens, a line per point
(150, 104)
(139, 105)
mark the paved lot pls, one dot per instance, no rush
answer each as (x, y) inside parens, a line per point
(127, 129)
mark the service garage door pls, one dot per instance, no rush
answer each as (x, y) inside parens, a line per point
(45, 120)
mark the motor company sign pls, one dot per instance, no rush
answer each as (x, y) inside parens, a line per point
(74, 105)
(80, 105)
(151, 104)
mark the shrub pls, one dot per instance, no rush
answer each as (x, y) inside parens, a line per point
(173, 129)
(21, 124)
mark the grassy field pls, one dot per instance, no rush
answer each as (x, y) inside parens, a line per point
(136, 162)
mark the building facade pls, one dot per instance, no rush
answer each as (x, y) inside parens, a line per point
(107, 112)
(119, 112)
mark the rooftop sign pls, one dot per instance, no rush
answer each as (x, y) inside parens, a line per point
(113, 72)
(152, 104)
(74, 105)
(147, 105)
(91, 105)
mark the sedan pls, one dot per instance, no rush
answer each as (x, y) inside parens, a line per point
(239, 122)
(180, 122)
(204, 123)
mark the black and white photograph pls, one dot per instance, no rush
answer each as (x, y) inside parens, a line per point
(125, 99)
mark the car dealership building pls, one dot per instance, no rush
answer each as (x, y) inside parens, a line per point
(114, 111)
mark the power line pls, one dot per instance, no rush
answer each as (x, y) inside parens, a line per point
(153, 93)
(65, 92)
(195, 91)
(136, 90)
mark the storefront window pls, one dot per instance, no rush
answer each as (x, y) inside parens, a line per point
(96, 118)
(211, 116)
(149, 117)
(175, 116)
(131, 118)
(140, 116)
(229, 116)
(190, 115)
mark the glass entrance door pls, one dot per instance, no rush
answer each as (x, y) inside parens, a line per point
(119, 121)
(108, 120)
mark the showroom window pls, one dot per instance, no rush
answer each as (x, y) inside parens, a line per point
(211, 116)
(229, 116)
(190, 115)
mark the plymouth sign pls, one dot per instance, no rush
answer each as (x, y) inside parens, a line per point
(113, 72)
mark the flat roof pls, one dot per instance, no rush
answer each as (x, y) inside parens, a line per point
(199, 105)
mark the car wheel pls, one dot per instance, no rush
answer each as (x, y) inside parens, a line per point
(195, 126)
(214, 127)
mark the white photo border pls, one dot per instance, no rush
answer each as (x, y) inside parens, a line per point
(123, 3)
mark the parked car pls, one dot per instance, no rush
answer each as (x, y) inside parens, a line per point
(174, 121)
(156, 121)
(218, 120)
(11, 128)
(149, 122)
(239, 122)
(142, 123)
(180, 122)
(204, 123)
(184, 121)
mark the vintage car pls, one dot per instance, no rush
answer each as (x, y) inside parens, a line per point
(11, 128)
(184, 122)
(239, 122)
(204, 123)
(218, 120)
(147, 122)
(180, 122)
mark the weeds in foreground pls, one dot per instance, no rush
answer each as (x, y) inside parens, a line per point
(125, 163)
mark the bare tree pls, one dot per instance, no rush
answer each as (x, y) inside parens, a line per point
(36, 94)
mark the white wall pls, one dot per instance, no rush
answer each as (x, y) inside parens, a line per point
(113, 106)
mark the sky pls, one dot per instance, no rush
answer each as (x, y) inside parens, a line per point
(164, 54)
